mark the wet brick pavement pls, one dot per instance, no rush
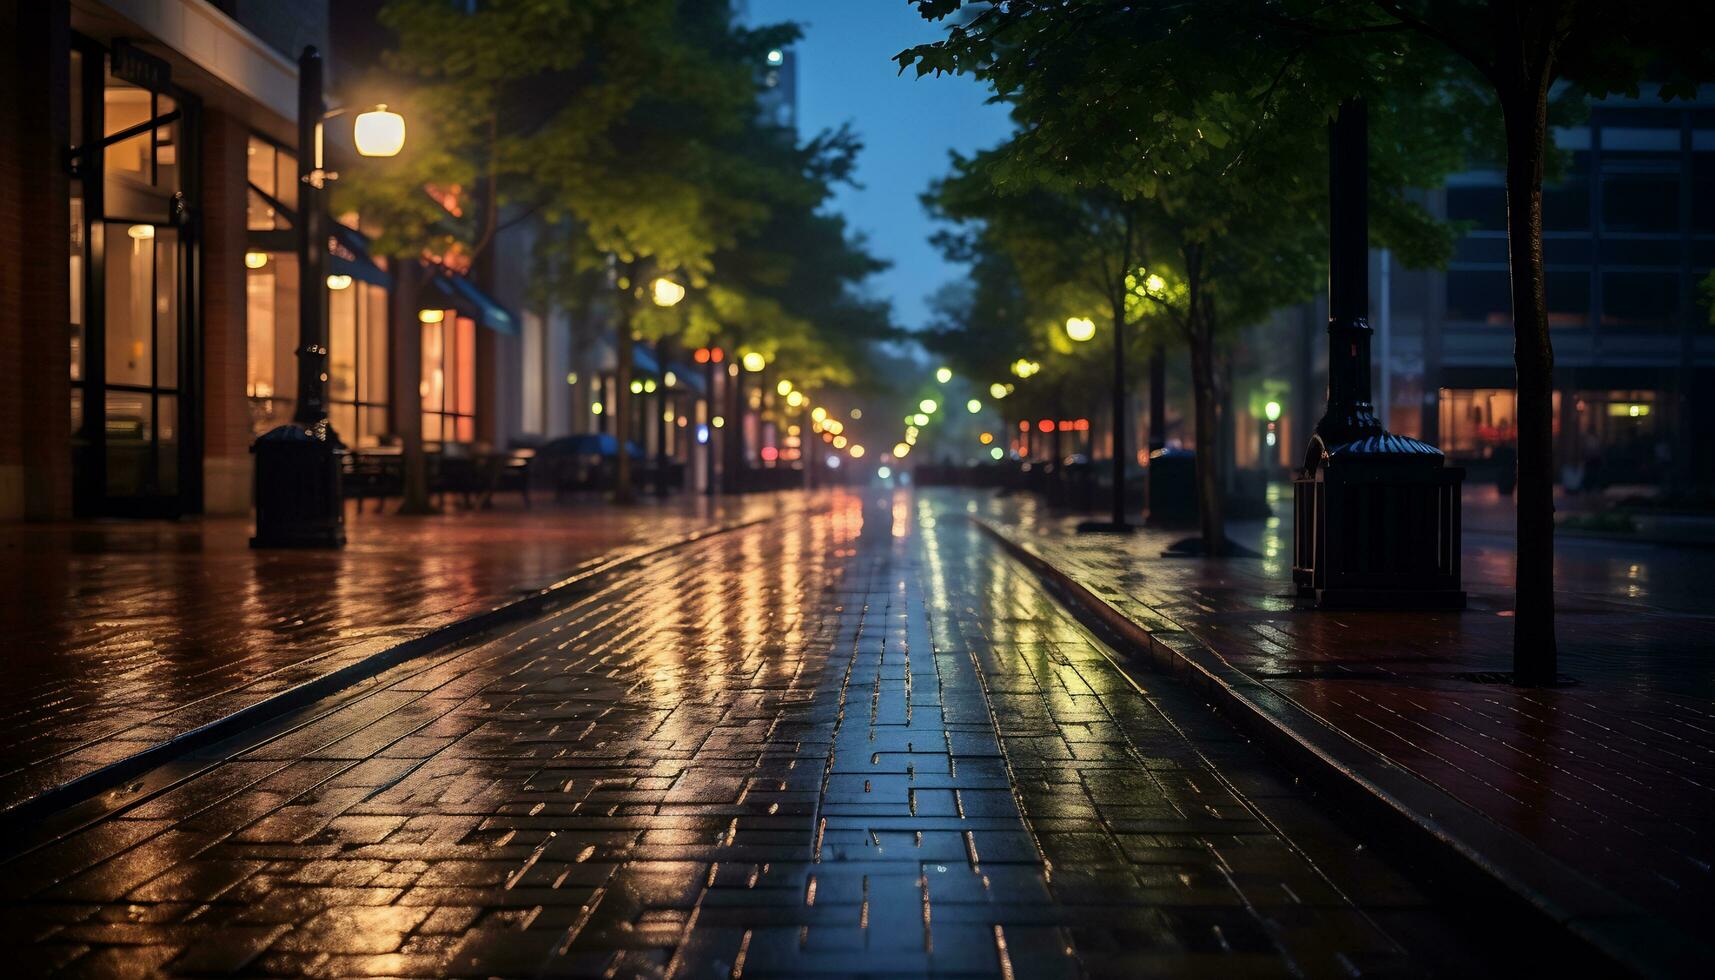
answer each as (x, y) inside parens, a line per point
(120, 635)
(1612, 775)
(855, 743)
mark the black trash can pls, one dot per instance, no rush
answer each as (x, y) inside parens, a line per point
(1173, 487)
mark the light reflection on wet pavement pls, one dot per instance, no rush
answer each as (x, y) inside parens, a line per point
(857, 742)
(120, 635)
(1611, 775)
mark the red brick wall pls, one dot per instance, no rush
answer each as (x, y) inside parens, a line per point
(35, 301)
(226, 421)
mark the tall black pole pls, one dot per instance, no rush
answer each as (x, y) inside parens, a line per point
(661, 460)
(1119, 395)
(1350, 414)
(1157, 398)
(299, 501)
(312, 248)
(711, 408)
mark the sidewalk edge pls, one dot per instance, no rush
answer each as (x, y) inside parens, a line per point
(98, 781)
(1507, 865)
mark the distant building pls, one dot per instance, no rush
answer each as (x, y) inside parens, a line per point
(1629, 237)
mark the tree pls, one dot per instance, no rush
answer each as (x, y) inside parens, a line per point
(1515, 51)
(1221, 165)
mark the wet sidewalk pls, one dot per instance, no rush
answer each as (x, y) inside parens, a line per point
(121, 635)
(858, 742)
(1612, 775)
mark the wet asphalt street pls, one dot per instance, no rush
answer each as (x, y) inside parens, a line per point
(858, 742)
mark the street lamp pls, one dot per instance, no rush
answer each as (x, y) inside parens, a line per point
(299, 502)
(928, 406)
(1080, 328)
(754, 362)
(944, 375)
(380, 132)
(997, 391)
(666, 292)
(973, 406)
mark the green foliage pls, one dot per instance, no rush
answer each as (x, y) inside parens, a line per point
(630, 130)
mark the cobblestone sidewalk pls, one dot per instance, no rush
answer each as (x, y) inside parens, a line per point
(121, 635)
(1611, 775)
(856, 743)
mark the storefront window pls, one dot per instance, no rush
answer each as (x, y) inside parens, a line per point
(357, 362)
(271, 329)
(273, 178)
(449, 379)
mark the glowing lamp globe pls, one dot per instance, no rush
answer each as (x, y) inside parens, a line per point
(379, 132)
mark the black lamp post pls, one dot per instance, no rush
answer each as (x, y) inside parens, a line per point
(1118, 523)
(298, 498)
(1376, 514)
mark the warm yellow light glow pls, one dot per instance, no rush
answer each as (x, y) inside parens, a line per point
(717, 421)
(754, 362)
(141, 232)
(986, 438)
(666, 292)
(637, 387)
(649, 385)
(571, 377)
(997, 391)
(927, 406)
(337, 281)
(919, 419)
(431, 316)
(783, 387)
(839, 442)
(857, 413)
(901, 450)
(255, 260)
(856, 451)
(973, 406)
(595, 408)
(1271, 410)
(997, 453)
(1154, 283)
(1080, 328)
(794, 398)
(818, 413)
(834, 425)
(380, 132)
(944, 375)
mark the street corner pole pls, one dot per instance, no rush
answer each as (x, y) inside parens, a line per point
(299, 500)
(1353, 467)
(1119, 428)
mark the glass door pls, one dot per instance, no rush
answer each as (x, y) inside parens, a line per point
(134, 262)
(141, 422)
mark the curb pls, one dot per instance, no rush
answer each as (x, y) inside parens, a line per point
(1498, 863)
(30, 812)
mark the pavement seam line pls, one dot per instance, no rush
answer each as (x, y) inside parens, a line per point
(92, 784)
(1609, 924)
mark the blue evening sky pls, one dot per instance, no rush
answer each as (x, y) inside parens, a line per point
(907, 126)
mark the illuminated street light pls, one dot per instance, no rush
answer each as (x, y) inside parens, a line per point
(380, 132)
(901, 450)
(337, 282)
(818, 413)
(997, 391)
(754, 362)
(944, 375)
(927, 406)
(784, 387)
(666, 292)
(431, 316)
(1272, 411)
(1080, 328)
(1154, 284)
(919, 419)
(856, 451)
(794, 398)
(255, 260)
(973, 406)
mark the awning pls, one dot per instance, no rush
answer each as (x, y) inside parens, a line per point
(463, 296)
(643, 361)
(348, 255)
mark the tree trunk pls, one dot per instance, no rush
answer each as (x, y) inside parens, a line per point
(1206, 395)
(621, 408)
(1526, 113)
